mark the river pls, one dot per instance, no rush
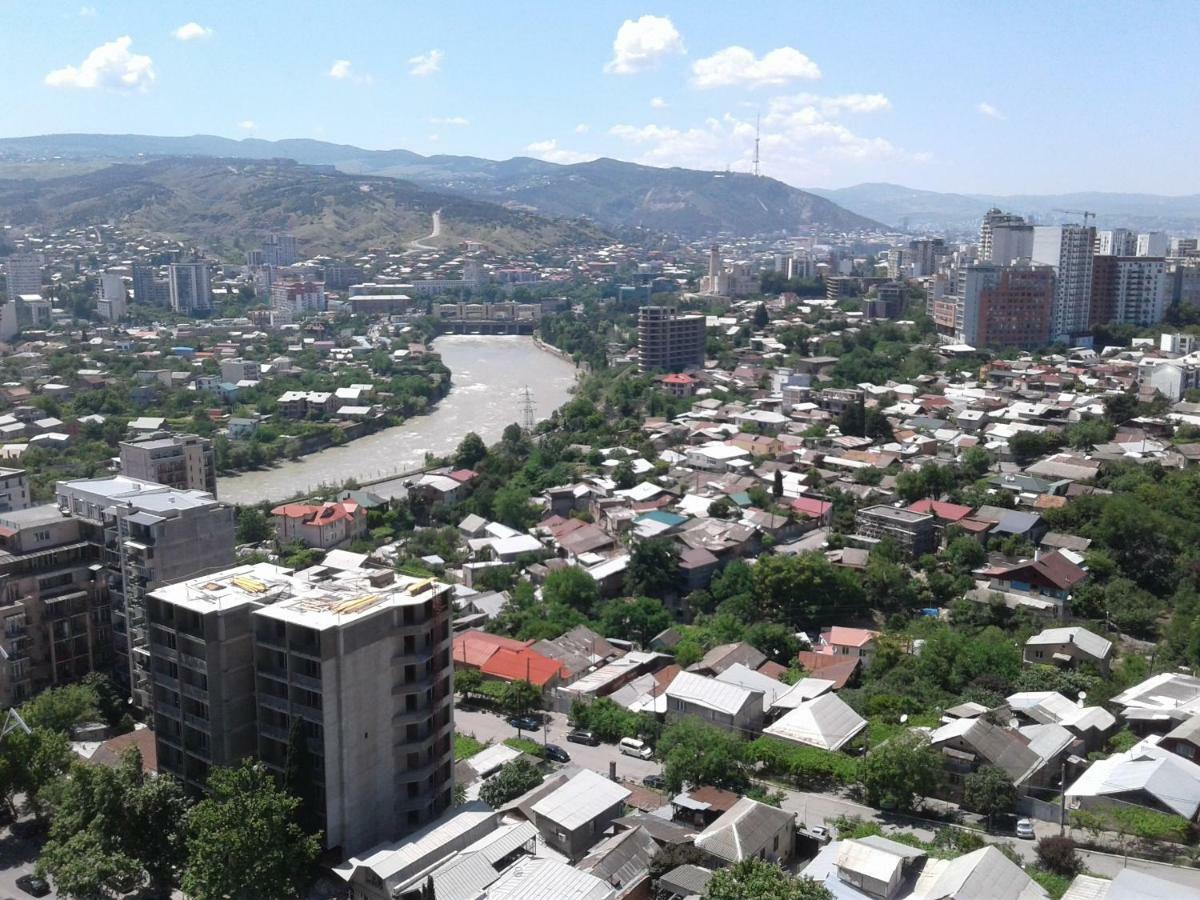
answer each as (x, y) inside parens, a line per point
(488, 376)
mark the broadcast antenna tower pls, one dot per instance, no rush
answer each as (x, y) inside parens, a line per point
(756, 146)
(528, 418)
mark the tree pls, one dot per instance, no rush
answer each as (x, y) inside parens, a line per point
(777, 485)
(243, 841)
(467, 682)
(696, 753)
(1026, 446)
(114, 829)
(511, 506)
(901, 771)
(990, 792)
(30, 763)
(721, 508)
(853, 420)
(802, 589)
(519, 697)
(252, 526)
(471, 450)
(761, 317)
(757, 879)
(777, 642)
(573, 587)
(634, 620)
(653, 569)
(513, 780)
(1057, 854)
(61, 708)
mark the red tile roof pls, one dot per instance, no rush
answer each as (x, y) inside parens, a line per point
(840, 636)
(473, 648)
(522, 665)
(949, 512)
(838, 669)
(811, 507)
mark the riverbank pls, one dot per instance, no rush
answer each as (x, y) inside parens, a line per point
(488, 376)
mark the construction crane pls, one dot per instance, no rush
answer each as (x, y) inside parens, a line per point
(1087, 214)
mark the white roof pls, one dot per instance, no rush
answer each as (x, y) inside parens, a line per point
(385, 860)
(581, 799)
(1091, 644)
(642, 491)
(746, 677)
(489, 759)
(826, 722)
(709, 693)
(1165, 691)
(717, 450)
(802, 691)
(535, 878)
(1146, 768)
(986, 874)
(522, 543)
(875, 863)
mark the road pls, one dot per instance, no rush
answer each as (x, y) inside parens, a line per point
(486, 726)
(420, 245)
(19, 848)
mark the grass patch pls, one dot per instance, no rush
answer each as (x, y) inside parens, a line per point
(1055, 885)
(525, 745)
(465, 746)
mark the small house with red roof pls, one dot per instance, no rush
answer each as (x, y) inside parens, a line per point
(1048, 575)
(324, 527)
(679, 384)
(811, 508)
(853, 642)
(506, 659)
(944, 514)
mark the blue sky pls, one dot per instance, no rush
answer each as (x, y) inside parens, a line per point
(1015, 97)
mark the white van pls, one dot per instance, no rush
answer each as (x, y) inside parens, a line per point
(635, 747)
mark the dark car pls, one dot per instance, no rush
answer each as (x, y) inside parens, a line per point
(556, 753)
(655, 782)
(33, 885)
(525, 723)
(579, 736)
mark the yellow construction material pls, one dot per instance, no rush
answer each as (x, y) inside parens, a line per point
(250, 585)
(414, 589)
(358, 603)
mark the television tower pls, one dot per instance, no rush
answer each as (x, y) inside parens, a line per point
(756, 117)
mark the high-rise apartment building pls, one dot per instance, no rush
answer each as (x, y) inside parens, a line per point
(1116, 242)
(55, 621)
(924, 255)
(1005, 306)
(148, 288)
(358, 664)
(190, 290)
(668, 341)
(185, 462)
(1068, 250)
(280, 250)
(14, 490)
(1130, 290)
(23, 274)
(1152, 243)
(298, 297)
(152, 535)
(1003, 237)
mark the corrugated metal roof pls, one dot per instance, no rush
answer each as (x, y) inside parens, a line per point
(747, 828)
(532, 878)
(580, 800)
(710, 693)
(827, 722)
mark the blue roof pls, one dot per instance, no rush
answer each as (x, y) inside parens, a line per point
(741, 498)
(1016, 522)
(665, 518)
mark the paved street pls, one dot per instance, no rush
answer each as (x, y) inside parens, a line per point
(18, 853)
(487, 726)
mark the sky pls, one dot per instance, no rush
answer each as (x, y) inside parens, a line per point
(971, 96)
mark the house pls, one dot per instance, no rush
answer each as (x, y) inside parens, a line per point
(536, 877)
(472, 649)
(573, 816)
(826, 722)
(1184, 739)
(967, 745)
(838, 669)
(873, 866)
(439, 489)
(985, 873)
(1146, 775)
(721, 657)
(623, 861)
(702, 806)
(944, 514)
(1047, 574)
(841, 641)
(1069, 647)
(750, 830)
(727, 706)
(1161, 702)
(324, 527)
(912, 532)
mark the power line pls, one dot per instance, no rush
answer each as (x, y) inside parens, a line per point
(528, 416)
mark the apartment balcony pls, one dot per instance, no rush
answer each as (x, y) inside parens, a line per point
(193, 691)
(279, 704)
(273, 732)
(198, 722)
(194, 663)
(273, 672)
(417, 686)
(306, 681)
(415, 658)
(165, 680)
(412, 717)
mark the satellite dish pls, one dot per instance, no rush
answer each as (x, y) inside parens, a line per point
(903, 718)
(1083, 695)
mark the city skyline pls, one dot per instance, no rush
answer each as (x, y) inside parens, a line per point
(932, 101)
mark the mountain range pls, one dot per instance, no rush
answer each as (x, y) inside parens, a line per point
(612, 194)
(917, 210)
(228, 205)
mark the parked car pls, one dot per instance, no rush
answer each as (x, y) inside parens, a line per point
(33, 885)
(525, 723)
(818, 833)
(635, 747)
(655, 782)
(1025, 829)
(556, 753)
(579, 736)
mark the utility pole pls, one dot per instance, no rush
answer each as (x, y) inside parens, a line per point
(756, 133)
(1062, 802)
(529, 419)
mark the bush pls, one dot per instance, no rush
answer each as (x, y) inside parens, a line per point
(808, 767)
(610, 722)
(513, 780)
(1057, 855)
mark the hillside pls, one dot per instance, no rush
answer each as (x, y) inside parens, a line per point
(931, 210)
(230, 204)
(685, 202)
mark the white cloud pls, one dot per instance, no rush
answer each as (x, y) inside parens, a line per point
(833, 106)
(247, 125)
(986, 109)
(551, 152)
(87, 12)
(192, 31)
(642, 44)
(739, 66)
(582, 128)
(658, 103)
(110, 65)
(343, 70)
(456, 121)
(425, 63)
